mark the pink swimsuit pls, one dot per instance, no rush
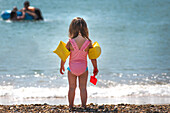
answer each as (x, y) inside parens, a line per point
(78, 58)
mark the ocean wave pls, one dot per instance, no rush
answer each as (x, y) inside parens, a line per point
(93, 92)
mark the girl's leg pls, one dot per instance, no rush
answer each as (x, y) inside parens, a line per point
(82, 85)
(72, 79)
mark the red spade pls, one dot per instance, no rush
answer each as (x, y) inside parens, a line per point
(93, 80)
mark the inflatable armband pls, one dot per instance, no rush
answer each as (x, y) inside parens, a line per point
(62, 51)
(94, 52)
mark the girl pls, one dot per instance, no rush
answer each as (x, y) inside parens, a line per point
(79, 45)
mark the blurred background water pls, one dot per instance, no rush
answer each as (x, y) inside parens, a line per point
(134, 37)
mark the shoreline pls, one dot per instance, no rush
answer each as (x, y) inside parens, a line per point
(98, 100)
(165, 108)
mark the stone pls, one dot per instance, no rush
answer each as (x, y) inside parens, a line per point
(101, 107)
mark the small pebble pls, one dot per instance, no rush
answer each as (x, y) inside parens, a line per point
(46, 108)
(101, 107)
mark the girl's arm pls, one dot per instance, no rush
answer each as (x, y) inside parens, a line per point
(62, 67)
(95, 70)
(94, 62)
(62, 62)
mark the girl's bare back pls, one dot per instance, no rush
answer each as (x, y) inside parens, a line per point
(80, 41)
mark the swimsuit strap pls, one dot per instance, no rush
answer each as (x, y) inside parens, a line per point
(85, 45)
(73, 43)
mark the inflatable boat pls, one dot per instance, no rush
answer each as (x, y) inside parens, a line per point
(6, 15)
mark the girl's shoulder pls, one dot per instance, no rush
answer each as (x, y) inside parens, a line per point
(68, 45)
(90, 45)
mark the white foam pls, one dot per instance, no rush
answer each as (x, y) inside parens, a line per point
(32, 92)
(131, 90)
(93, 92)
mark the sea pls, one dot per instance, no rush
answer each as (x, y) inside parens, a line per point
(134, 66)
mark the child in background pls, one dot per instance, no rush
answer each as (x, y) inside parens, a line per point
(79, 45)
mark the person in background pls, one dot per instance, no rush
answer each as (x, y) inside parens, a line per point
(32, 11)
(14, 17)
(15, 8)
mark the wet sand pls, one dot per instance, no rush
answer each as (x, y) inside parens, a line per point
(131, 108)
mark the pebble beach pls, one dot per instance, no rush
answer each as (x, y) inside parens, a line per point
(134, 70)
(93, 108)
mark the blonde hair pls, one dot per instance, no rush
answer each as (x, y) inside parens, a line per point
(78, 25)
